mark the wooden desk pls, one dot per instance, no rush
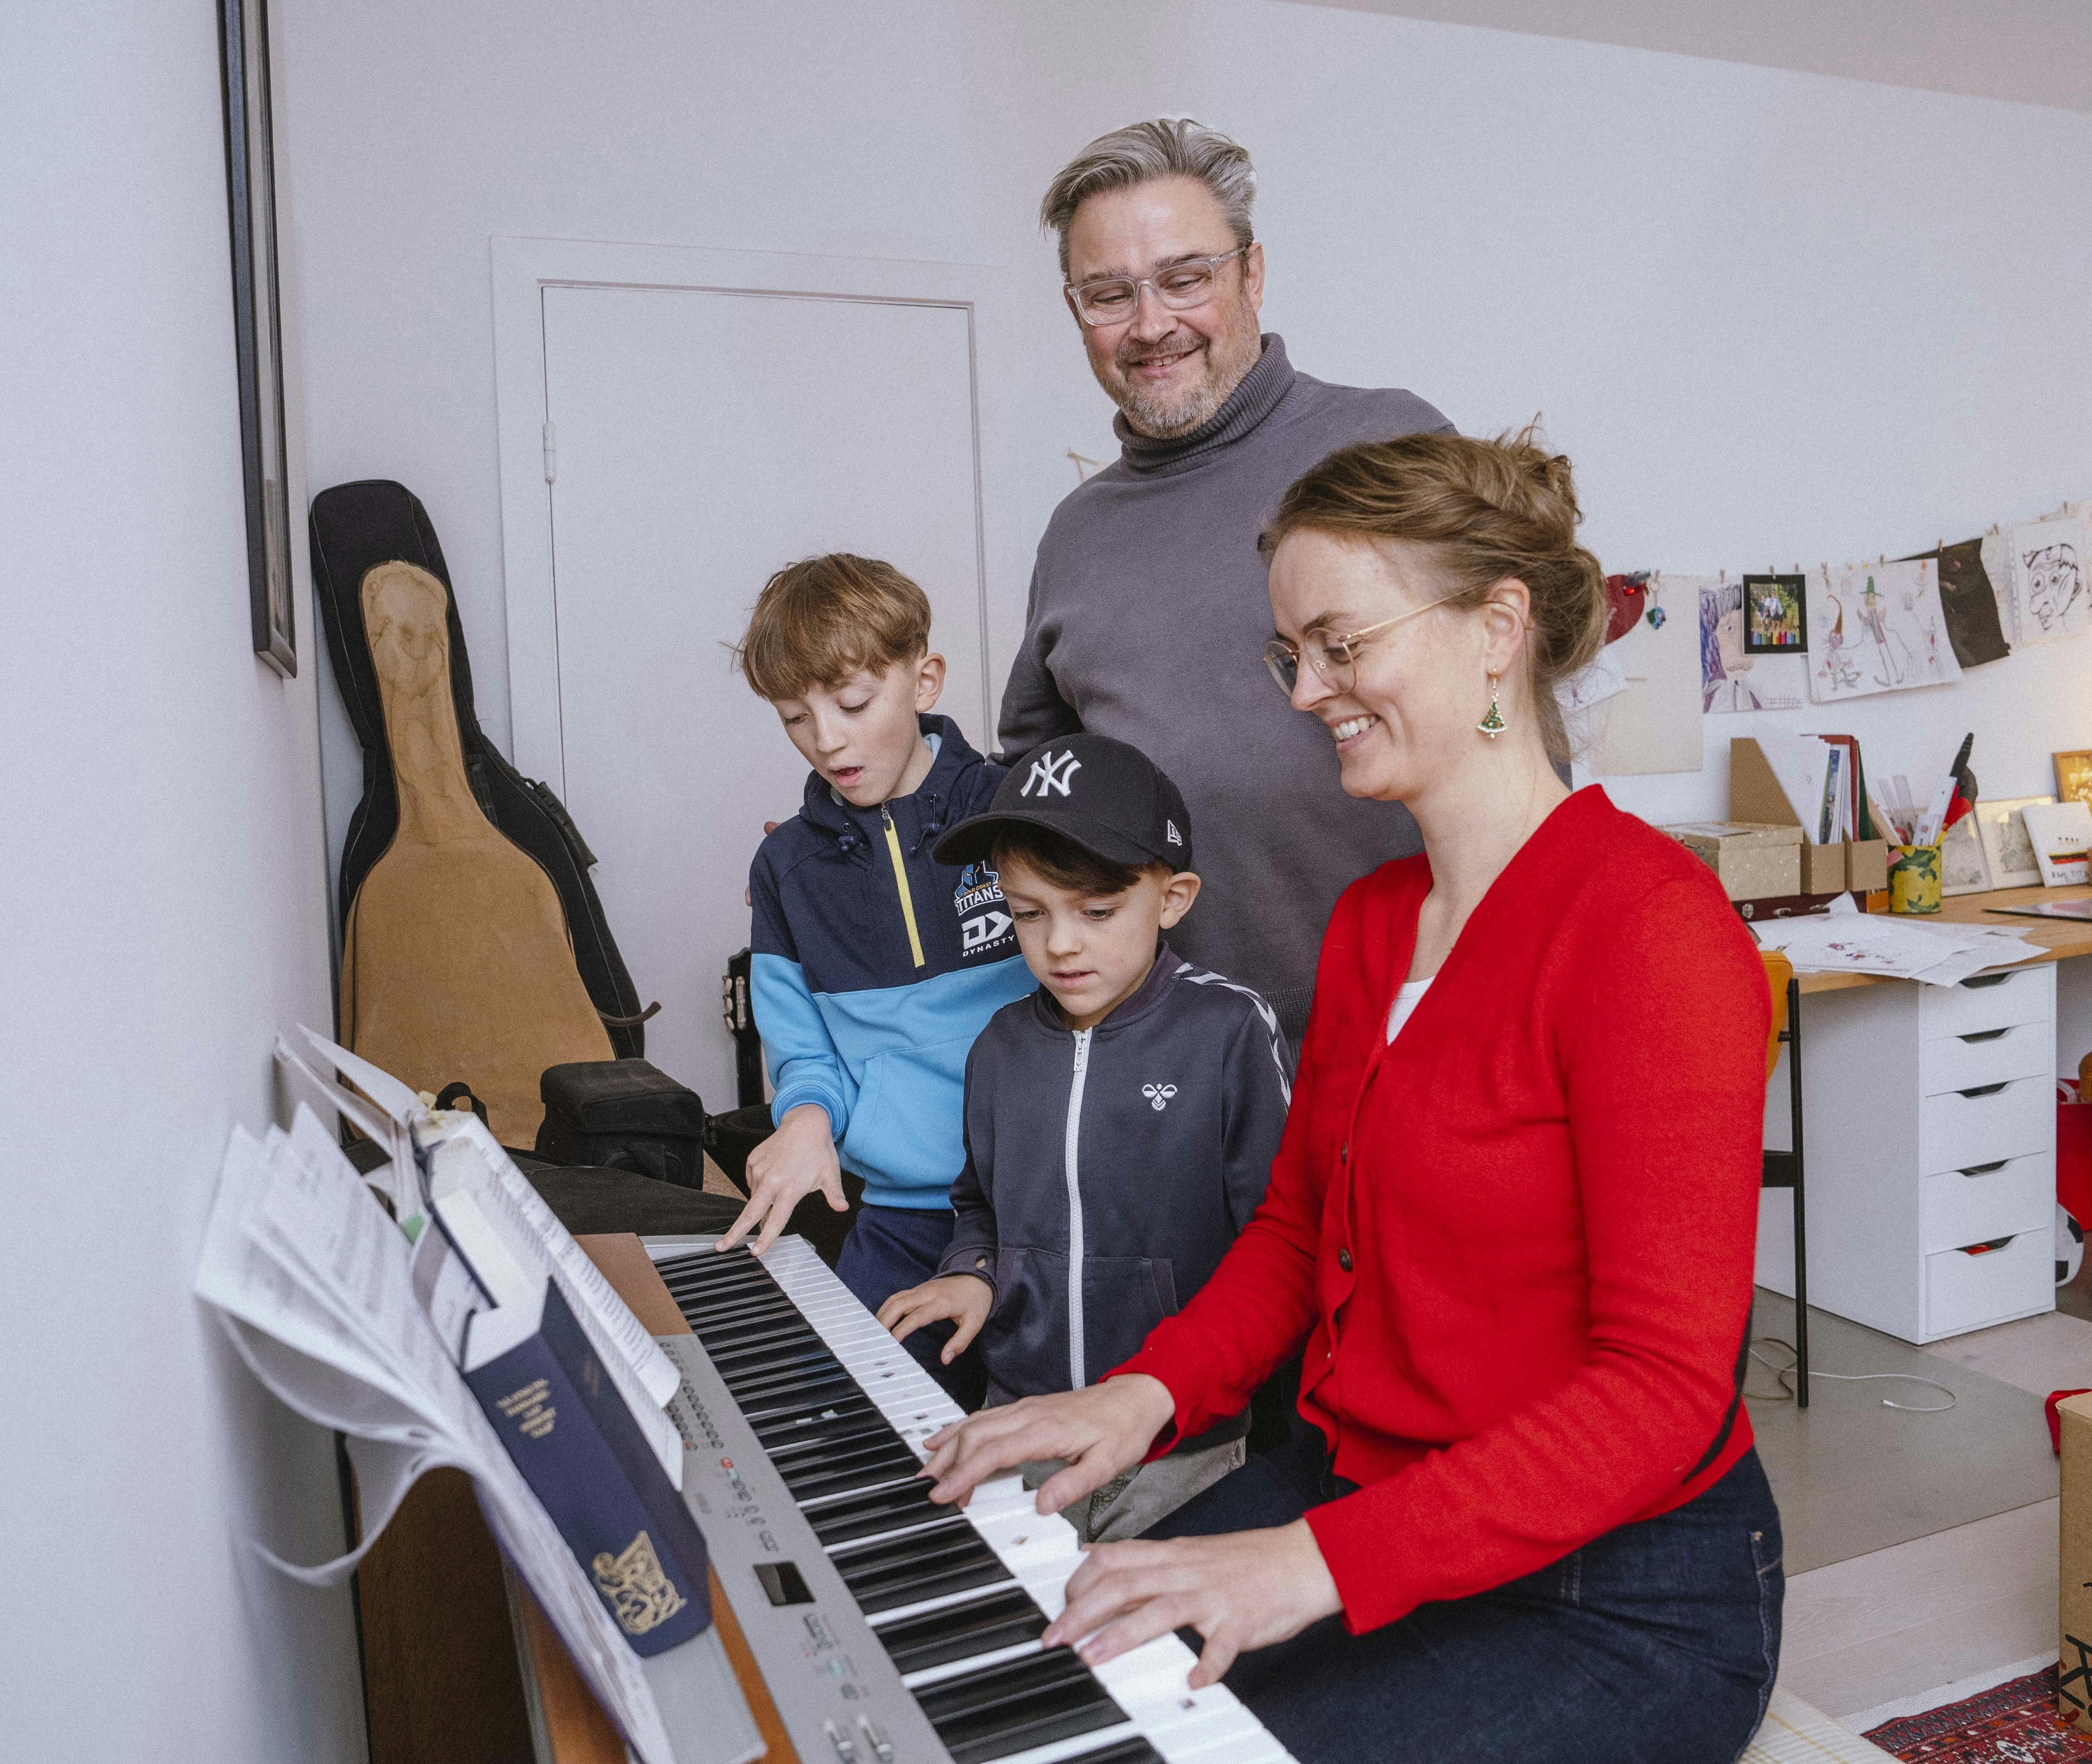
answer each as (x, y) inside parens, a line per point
(2059, 938)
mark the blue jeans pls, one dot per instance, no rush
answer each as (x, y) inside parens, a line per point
(890, 1249)
(1656, 1644)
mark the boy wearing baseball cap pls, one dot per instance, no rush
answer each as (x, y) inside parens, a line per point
(1120, 1122)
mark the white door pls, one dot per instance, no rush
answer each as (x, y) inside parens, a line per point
(701, 440)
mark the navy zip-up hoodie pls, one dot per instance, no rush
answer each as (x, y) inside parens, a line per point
(875, 966)
(1108, 1169)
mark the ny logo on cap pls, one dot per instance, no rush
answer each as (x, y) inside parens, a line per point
(1050, 774)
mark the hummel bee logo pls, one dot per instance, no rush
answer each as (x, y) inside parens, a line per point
(1159, 1095)
(1049, 774)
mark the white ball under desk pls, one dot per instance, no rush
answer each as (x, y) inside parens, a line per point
(1929, 1132)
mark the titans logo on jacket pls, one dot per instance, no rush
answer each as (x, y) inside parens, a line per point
(874, 967)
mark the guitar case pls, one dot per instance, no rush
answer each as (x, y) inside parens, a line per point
(474, 948)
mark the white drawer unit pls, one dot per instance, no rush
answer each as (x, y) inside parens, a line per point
(1929, 1114)
(1959, 1207)
(1989, 1282)
(1998, 1001)
(2004, 1119)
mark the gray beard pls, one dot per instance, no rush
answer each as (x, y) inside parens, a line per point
(1179, 415)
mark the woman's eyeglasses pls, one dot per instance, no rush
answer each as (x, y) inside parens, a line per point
(1179, 287)
(1333, 658)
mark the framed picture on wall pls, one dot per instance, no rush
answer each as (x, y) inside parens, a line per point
(2007, 849)
(250, 184)
(2073, 777)
(1775, 615)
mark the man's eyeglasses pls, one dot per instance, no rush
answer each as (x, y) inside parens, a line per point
(1179, 287)
(1333, 658)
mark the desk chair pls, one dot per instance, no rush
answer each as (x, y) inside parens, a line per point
(1784, 1169)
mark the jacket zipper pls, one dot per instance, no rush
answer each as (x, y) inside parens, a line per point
(901, 884)
(1068, 1158)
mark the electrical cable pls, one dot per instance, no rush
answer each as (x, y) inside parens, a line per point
(1781, 1373)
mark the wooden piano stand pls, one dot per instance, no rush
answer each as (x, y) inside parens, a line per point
(452, 1670)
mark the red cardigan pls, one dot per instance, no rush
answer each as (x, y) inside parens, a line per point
(1518, 1242)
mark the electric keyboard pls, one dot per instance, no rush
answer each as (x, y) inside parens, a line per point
(888, 1630)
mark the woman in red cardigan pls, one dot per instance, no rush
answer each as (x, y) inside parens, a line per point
(1513, 1218)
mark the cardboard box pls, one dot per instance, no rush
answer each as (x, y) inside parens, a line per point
(1867, 865)
(1752, 858)
(2073, 1689)
(1860, 865)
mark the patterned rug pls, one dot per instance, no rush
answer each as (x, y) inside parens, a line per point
(2014, 1722)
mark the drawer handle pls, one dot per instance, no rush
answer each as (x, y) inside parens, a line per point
(1984, 1249)
(1985, 1090)
(1984, 1035)
(1984, 1170)
(1987, 979)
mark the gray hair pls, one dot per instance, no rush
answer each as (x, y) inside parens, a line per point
(1170, 147)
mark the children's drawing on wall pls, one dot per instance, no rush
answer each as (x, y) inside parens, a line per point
(1773, 624)
(1971, 601)
(2051, 595)
(1878, 628)
(1731, 678)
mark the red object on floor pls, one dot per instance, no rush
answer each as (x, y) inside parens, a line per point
(2073, 1159)
(2017, 1720)
(2054, 1423)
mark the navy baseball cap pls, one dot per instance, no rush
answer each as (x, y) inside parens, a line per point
(1106, 795)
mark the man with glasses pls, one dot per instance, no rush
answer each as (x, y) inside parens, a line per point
(1149, 615)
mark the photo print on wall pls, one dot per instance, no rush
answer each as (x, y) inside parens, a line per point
(1774, 620)
(1878, 628)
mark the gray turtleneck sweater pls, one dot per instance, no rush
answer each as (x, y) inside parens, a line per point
(1148, 621)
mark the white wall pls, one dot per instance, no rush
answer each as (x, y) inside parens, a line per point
(1774, 316)
(162, 892)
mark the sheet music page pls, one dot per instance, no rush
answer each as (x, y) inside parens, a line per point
(313, 1280)
(399, 1104)
(583, 1285)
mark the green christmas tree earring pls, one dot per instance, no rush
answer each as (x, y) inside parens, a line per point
(1493, 724)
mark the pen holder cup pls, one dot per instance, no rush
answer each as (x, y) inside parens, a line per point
(1914, 878)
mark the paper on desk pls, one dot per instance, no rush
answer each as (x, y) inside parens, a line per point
(582, 1284)
(318, 1305)
(1852, 942)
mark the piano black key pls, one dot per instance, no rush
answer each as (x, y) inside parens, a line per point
(1017, 1705)
(1134, 1751)
(925, 1564)
(778, 1427)
(800, 1453)
(1002, 1620)
(792, 1397)
(866, 1516)
(862, 1473)
(764, 1380)
(769, 1342)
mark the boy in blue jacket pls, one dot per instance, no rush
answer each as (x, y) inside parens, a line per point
(875, 966)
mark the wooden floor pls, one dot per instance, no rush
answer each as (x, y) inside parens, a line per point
(1923, 1616)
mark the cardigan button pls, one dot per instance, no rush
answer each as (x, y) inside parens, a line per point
(1344, 1260)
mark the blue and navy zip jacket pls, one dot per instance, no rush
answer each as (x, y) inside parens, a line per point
(874, 967)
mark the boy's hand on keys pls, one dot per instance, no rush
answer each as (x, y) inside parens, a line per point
(799, 1157)
(1100, 1431)
(963, 1299)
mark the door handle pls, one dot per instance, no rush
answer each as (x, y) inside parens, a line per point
(1984, 1170)
(1987, 979)
(1985, 1090)
(1984, 1035)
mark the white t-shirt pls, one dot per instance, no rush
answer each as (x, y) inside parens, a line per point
(1407, 998)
